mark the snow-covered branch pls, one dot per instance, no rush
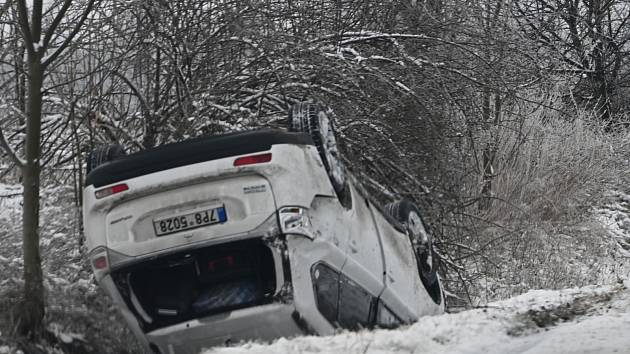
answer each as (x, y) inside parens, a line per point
(4, 144)
(79, 24)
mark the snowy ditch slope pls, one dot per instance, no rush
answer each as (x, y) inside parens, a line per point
(582, 320)
(592, 319)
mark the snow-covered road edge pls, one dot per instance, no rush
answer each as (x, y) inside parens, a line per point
(530, 323)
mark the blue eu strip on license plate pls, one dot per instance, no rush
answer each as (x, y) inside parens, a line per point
(221, 214)
(189, 221)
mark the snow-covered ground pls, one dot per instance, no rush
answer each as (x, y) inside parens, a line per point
(582, 320)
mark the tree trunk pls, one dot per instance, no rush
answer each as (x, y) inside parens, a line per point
(600, 84)
(31, 315)
(485, 201)
(32, 312)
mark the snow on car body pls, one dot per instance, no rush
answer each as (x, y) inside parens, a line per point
(243, 236)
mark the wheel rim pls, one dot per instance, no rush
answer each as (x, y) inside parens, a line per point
(330, 151)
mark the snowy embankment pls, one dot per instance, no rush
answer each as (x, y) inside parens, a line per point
(582, 320)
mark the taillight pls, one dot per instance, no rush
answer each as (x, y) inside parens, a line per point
(106, 192)
(252, 159)
(221, 263)
(99, 261)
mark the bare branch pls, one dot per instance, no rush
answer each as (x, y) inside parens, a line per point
(137, 93)
(48, 60)
(6, 7)
(9, 151)
(53, 26)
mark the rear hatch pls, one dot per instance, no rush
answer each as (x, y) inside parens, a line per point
(198, 283)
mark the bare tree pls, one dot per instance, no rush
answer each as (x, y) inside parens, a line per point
(45, 40)
(589, 41)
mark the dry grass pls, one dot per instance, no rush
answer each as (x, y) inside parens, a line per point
(540, 231)
(552, 170)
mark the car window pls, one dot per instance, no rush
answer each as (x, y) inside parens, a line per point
(355, 305)
(386, 318)
(340, 300)
(326, 282)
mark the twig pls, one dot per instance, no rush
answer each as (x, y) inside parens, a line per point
(9, 151)
(6, 171)
(10, 195)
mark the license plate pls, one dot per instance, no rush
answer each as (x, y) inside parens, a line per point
(189, 221)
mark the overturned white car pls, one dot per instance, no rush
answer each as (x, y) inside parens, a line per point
(252, 235)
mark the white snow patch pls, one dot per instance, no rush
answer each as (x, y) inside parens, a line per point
(502, 327)
(57, 280)
(10, 197)
(615, 217)
(10, 190)
(64, 336)
(538, 299)
(402, 86)
(38, 45)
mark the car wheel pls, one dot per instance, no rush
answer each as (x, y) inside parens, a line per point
(407, 213)
(103, 154)
(311, 118)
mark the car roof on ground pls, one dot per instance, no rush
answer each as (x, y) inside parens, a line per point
(201, 149)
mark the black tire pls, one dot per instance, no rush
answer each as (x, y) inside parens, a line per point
(311, 118)
(103, 154)
(407, 213)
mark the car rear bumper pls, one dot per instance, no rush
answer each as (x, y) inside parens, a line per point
(266, 322)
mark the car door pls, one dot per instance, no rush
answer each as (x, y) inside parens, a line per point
(361, 279)
(365, 261)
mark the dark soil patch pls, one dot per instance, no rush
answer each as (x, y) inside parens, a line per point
(551, 316)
